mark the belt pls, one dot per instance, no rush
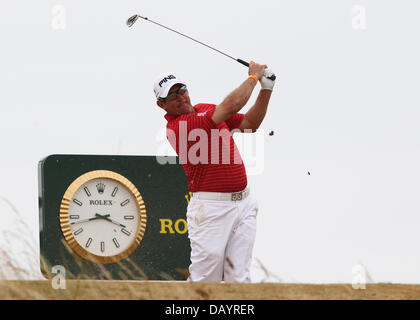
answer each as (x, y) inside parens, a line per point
(221, 195)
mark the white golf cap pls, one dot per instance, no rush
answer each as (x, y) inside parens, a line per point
(164, 83)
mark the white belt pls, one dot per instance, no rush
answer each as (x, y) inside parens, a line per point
(203, 195)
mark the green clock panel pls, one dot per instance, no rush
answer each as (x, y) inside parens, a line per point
(164, 249)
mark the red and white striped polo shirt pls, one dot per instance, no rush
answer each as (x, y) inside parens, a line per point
(207, 151)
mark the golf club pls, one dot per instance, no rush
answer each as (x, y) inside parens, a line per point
(135, 17)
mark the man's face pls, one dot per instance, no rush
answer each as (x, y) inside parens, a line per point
(180, 105)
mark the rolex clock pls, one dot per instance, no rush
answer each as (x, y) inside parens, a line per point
(113, 217)
(103, 216)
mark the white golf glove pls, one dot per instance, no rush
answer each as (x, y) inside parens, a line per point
(267, 84)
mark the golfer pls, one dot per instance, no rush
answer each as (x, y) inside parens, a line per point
(221, 214)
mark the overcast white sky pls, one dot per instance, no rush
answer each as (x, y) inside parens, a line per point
(346, 108)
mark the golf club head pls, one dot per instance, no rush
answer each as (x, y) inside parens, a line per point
(132, 20)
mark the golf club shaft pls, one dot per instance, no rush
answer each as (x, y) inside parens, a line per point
(239, 60)
(273, 77)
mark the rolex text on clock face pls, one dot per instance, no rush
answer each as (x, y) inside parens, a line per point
(103, 217)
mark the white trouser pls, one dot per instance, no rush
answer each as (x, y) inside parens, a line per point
(222, 236)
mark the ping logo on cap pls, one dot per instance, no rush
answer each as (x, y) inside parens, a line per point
(163, 83)
(169, 77)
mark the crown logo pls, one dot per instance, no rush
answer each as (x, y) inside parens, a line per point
(101, 187)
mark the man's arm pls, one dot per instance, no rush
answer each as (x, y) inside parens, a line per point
(239, 97)
(254, 117)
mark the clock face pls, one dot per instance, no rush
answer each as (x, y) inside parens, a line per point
(103, 216)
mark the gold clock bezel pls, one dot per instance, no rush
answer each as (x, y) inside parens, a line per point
(65, 222)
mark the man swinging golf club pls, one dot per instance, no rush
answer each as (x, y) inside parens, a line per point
(221, 214)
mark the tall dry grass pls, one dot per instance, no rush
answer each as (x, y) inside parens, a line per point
(19, 250)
